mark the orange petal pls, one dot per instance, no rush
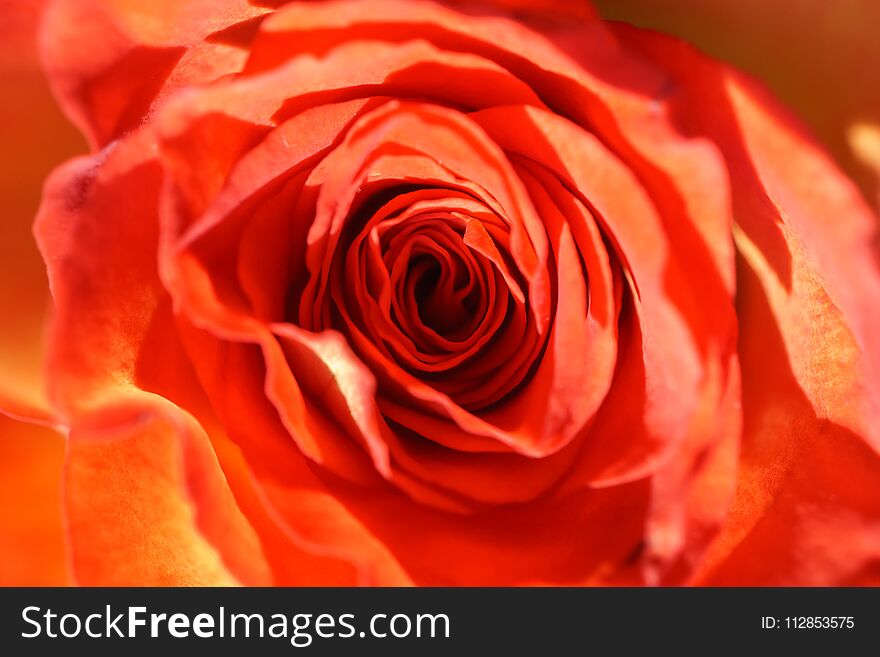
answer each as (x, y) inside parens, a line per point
(36, 136)
(113, 335)
(31, 534)
(110, 63)
(778, 42)
(292, 563)
(807, 509)
(148, 505)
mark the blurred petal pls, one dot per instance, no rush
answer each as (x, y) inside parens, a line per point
(35, 137)
(172, 517)
(807, 509)
(148, 505)
(31, 532)
(112, 61)
(825, 311)
(395, 540)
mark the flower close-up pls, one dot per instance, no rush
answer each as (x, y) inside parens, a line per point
(413, 292)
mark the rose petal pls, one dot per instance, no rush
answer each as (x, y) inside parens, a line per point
(783, 208)
(32, 541)
(291, 563)
(147, 504)
(112, 321)
(396, 540)
(669, 364)
(808, 345)
(111, 63)
(806, 509)
(316, 522)
(778, 43)
(101, 273)
(36, 136)
(551, 543)
(112, 316)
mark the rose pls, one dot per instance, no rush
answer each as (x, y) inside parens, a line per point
(591, 184)
(204, 166)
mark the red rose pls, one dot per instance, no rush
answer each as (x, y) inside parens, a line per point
(400, 292)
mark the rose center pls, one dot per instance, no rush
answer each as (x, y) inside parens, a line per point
(444, 301)
(426, 282)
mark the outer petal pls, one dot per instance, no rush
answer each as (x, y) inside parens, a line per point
(112, 61)
(801, 225)
(780, 42)
(808, 504)
(807, 509)
(113, 337)
(147, 504)
(94, 233)
(292, 563)
(35, 137)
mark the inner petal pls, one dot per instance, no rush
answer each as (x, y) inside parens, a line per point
(441, 286)
(443, 306)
